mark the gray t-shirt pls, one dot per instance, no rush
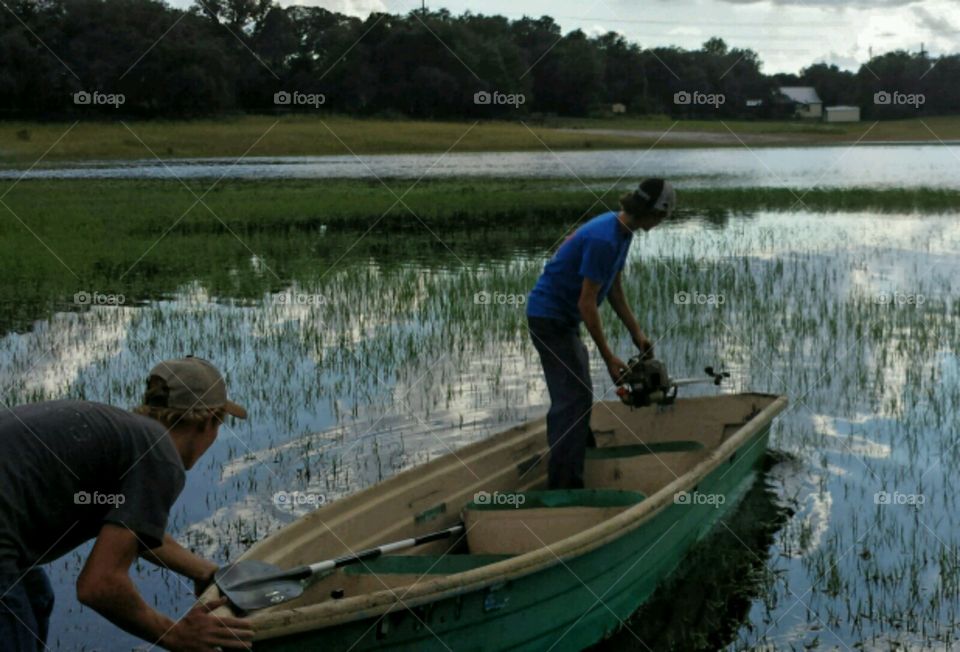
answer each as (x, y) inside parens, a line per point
(68, 467)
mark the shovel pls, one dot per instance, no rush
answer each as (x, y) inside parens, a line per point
(251, 584)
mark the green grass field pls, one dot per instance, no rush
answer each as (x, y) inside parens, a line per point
(944, 128)
(23, 144)
(82, 208)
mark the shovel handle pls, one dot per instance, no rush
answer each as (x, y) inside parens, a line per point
(373, 553)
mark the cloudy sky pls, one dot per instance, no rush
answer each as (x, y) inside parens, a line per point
(788, 34)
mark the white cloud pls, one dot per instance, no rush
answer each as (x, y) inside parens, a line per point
(361, 8)
(596, 30)
(835, 4)
(787, 34)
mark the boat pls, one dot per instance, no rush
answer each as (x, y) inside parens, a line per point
(536, 570)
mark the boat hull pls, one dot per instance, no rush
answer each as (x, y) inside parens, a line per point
(569, 605)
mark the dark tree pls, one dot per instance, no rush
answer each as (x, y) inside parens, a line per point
(224, 56)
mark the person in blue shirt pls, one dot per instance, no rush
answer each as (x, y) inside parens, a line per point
(584, 271)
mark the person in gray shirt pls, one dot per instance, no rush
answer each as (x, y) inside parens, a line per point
(71, 471)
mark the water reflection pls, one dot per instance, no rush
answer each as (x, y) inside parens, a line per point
(795, 167)
(387, 361)
(731, 564)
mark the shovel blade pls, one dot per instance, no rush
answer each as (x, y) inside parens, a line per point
(239, 583)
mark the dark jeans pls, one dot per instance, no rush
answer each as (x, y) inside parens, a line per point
(566, 366)
(25, 608)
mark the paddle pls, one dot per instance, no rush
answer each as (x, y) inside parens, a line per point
(251, 584)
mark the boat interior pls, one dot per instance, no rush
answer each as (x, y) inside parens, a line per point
(497, 487)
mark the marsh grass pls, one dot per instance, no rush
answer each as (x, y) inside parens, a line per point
(146, 238)
(398, 364)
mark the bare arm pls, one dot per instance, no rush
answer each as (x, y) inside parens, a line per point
(618, 301)
(590, 313)
(105, 586)
(183, 562)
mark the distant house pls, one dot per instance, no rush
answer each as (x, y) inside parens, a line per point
(806, 103)
(619, 108)
(841, 114)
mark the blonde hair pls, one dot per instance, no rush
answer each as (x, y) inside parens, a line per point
(155, 407)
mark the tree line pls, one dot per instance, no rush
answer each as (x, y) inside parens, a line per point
(63, 58)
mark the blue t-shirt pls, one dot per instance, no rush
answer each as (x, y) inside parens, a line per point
(598, 251)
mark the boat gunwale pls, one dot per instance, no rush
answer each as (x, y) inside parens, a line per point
(279, 622)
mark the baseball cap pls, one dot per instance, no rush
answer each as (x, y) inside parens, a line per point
(190, 383)
(666, 197)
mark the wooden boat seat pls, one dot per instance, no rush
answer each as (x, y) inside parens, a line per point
(394, 571)
(513, 523)
(644, 467)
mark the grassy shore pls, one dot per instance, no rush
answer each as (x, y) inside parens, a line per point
(23, 144)
(811, 131)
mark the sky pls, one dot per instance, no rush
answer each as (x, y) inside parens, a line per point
(787, 34)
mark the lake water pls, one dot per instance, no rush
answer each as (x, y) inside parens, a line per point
(384, 360)
(905, 166)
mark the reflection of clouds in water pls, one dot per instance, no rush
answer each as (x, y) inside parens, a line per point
(800, 489)
(356, 318)
(377, 445)
(893, 241)
(47, 361)
(229, 525)
(841, 429)
(437, 405)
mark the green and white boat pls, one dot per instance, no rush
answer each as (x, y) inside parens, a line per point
(536, 570)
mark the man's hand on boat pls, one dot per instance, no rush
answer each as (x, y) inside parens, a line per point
(105, 586)
(202, 631)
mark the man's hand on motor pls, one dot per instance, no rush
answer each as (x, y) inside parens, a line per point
(616, 368)
(645, 345)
